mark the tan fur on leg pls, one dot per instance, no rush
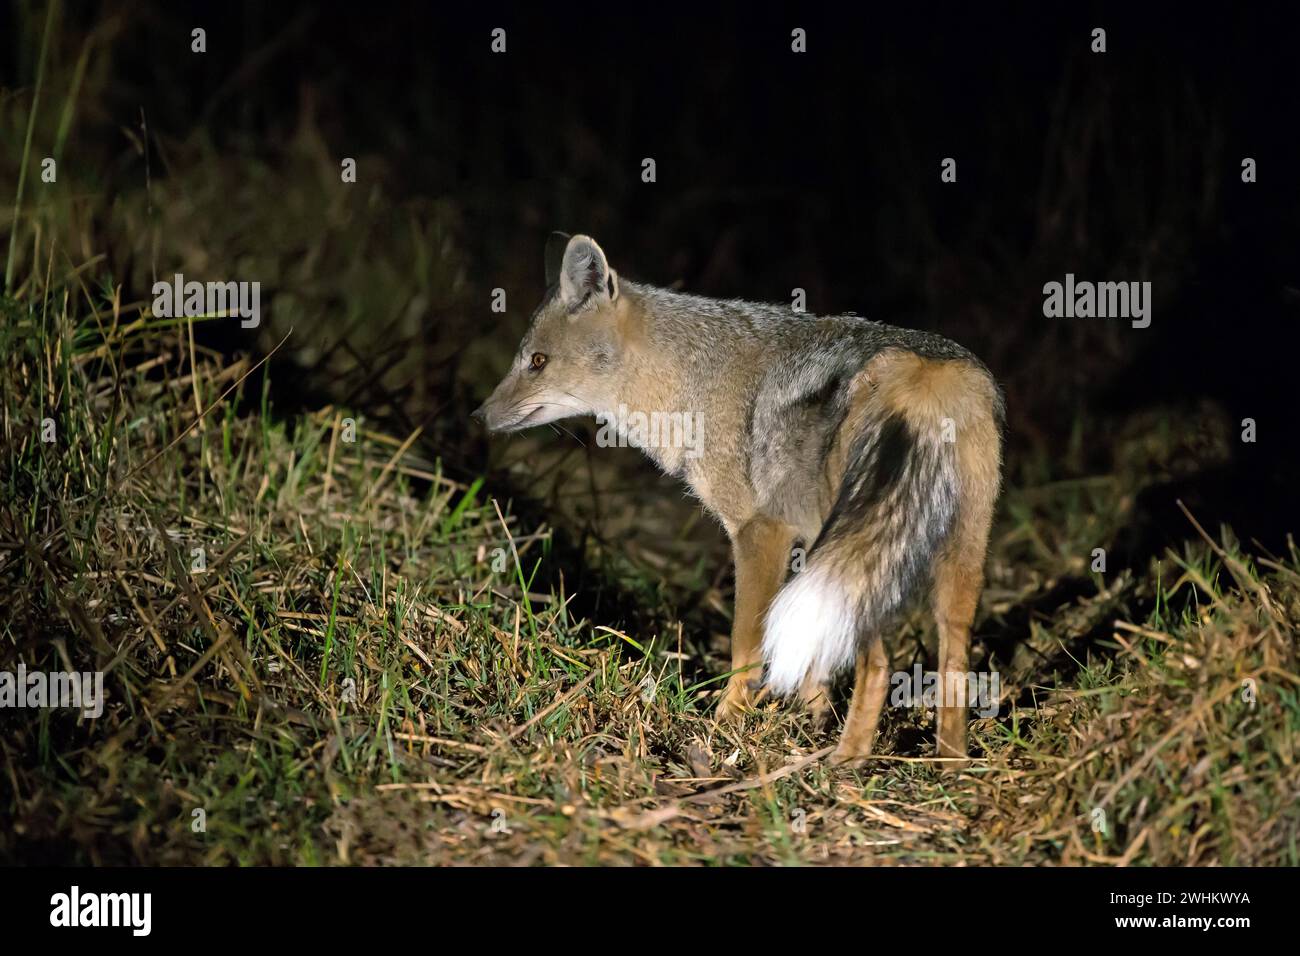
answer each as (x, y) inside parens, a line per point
(956, 595)
(871, 682)
(762, 551)
(959, 572)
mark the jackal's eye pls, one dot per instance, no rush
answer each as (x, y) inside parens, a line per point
(538, 360)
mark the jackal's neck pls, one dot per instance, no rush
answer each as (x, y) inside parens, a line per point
(665, 336)
(669, 352)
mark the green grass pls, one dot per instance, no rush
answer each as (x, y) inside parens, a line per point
(356, 677)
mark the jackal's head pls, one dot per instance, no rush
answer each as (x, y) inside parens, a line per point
(568, 362)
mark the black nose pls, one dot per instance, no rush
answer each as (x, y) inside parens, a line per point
(478, 414)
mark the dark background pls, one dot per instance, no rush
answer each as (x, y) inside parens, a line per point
(777, 170)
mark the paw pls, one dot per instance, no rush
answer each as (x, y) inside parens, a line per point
(819, 710)
(816, 699)
(953, 761)
(955, 757)
(736, 701)
(849, 758)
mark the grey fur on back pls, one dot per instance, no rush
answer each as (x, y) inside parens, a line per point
(797, 396)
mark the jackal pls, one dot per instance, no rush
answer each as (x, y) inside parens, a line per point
(877, 450)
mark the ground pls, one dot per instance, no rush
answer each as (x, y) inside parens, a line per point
(323, 650)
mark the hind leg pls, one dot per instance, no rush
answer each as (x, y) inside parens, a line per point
(957, 593)
(958, 581)
(959, 571)
(871, 681)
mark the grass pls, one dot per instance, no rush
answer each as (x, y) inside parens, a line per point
(378, 664)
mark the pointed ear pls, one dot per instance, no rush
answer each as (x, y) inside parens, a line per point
(555, 246)
(584, 273)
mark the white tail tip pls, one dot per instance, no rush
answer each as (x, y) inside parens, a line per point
(811, 631)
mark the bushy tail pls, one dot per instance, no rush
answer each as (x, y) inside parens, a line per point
(896, 506)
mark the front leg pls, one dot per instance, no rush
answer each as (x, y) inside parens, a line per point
(761, 549)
